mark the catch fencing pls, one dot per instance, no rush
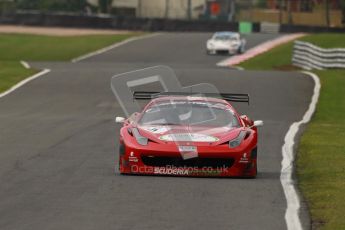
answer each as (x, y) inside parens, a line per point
(309, 56)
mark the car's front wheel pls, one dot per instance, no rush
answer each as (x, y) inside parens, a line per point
(252, 167)
(254, 157)
(241, 50)
(121, 154)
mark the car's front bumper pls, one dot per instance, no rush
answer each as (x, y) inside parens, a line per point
(220, 162)
(216, 49)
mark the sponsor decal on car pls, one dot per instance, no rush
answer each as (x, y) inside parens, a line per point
(170, 171)
(194, 137)
(132, 158)
(244, 158)
(156, 129)
(205, 171)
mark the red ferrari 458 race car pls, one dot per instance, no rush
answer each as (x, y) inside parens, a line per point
(188, 135)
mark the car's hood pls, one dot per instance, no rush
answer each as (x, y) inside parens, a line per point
(196, 134)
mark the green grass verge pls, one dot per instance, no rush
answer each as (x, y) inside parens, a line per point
(321, 155)
(321, 152)
(52, 48)
(12, 73)
(16, 47)
(279, 58)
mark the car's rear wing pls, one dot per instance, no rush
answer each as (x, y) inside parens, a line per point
(234, 97)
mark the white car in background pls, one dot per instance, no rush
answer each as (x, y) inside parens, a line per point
(230, 42)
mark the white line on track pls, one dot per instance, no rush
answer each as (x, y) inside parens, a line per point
(18, 85)
(105, 49)
(25, 64)
(286, 178)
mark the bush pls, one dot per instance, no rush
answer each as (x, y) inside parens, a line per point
(52, 5)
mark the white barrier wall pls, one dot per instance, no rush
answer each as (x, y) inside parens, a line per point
(173, 9)
(269, 27)
(309, 56)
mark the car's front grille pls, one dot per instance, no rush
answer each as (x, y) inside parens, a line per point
(159, 161)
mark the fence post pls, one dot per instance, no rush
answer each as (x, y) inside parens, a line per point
(189, 9)
(251, 10)
(280, 11)
(138, 13)
(166, 8)
(289, 12)
(327, 14)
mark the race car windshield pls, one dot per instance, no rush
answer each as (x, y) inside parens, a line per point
(225, 37)
(190, 113)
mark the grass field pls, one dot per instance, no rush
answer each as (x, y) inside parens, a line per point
(321, 152)
(12, 72)
(17, 47)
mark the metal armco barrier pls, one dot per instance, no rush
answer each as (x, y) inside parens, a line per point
(309, 56)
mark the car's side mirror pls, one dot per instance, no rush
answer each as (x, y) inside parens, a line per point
(258, 123)
(247, 121)
(244, 117)
(119, 119)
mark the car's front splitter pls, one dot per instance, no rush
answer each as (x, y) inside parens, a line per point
(243, 166)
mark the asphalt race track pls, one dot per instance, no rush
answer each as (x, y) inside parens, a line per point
(58, 142)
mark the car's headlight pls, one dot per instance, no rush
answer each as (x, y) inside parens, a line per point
(139, 138)
(237, 140)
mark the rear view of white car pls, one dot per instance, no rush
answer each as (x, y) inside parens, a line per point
(230, 42)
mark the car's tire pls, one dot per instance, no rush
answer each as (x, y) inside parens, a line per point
(119, 166)
(255, 169)
(241, 49)
(253, 176)
(121, 171)
(256, 163)
(121, 153)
